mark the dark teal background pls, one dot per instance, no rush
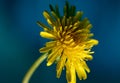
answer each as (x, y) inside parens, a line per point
(20, 40)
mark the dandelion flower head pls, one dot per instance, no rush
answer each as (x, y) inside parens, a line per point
(70, 42)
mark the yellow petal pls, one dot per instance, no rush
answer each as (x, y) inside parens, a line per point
(47, 35)
(46, 14)
(60, 65)
(55, 29)
(51, 43)
(58, 34)
(49, 21)
(43, 26)
(69, 41)
(88, 57)
(80, 71)
(85, 56)
(70, 72)
(49, 46)
(45, 49)
(60, 28)
(53, 56)
(85, 66)
(93, 42)
(49, 18)
(77, 16)
(89, 26)
(54, 50)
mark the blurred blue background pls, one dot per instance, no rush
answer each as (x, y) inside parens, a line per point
(20, 40)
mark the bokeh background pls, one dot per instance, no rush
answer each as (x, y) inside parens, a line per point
(20, 40)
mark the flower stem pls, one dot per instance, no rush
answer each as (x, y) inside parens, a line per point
(33, 68)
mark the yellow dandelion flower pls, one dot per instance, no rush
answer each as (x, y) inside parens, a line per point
(70, 45)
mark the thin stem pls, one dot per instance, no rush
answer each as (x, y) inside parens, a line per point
(33, 68)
